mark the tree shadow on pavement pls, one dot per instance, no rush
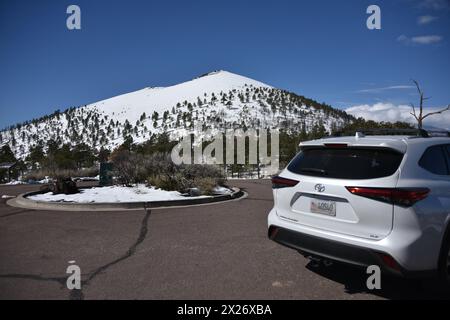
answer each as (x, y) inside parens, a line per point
(354, 280)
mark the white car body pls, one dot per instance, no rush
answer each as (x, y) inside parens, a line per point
(401, 239)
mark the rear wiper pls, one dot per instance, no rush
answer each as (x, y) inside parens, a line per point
(314, 170)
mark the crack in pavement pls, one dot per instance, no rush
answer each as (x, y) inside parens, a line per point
(142, 234)
(17, 212)
(76, 294)
(60, 280)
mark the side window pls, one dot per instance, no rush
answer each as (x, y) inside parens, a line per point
(433, 160)
(447, 153)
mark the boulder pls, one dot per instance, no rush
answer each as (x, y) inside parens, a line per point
(64, 185)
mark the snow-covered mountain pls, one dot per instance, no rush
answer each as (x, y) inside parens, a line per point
(218, 99)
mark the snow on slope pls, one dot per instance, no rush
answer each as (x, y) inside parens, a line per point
(218, 99)
(131, 105)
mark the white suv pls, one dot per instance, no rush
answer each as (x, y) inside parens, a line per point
(368, 200)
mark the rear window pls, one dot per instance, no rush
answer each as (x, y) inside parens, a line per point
(433, 160)
(346, 163)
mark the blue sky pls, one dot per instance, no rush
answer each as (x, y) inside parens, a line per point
(320, 49)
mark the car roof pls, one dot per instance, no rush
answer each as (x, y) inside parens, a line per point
(399, 143)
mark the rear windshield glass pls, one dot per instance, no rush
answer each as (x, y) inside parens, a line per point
(346, 163)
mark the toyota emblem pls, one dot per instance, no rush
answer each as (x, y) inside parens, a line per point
(319, 187)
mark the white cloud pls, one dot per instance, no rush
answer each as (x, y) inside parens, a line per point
(376, 90)
(435, 4)
(403, 38)
(426, 39)
(392, 113)
(423, 40)
(425, 19)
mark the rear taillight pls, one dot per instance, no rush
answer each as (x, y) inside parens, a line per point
(390, 262)
(404, 197)
(280, 182)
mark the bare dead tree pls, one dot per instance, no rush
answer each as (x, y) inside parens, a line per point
(420, 116)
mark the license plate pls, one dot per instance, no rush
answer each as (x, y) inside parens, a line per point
(323, 207)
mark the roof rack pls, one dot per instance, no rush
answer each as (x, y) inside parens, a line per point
(397, 131)
(438, 133)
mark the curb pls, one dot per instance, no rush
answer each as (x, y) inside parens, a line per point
(22, 202)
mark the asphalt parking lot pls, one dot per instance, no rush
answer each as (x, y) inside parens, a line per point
(217, 251)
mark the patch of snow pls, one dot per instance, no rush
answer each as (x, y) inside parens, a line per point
(47, 179)
(222, 190)
(114, 194)
(96, 178)
(13, 183)
(5, 196)
(249, 178)
(18, 182)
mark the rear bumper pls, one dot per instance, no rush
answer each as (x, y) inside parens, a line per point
(339, 251)
(323, 247)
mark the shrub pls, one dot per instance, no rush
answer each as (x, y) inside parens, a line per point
(163, 173)
(128, 166)
(86, 172)
(37, 175)
(158, 170)
(205, 184)
(182, 181)
(164, 182)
